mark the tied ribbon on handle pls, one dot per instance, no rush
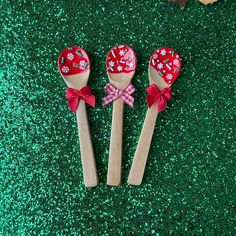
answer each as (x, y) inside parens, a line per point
(160, 97)
(74, 96)
(114, 93)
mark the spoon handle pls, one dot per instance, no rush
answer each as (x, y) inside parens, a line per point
(141, 154)
(86, 147)
(115, 152)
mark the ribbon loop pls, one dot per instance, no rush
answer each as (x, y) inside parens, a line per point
(114, 93)
(154, 95)
(74, 96)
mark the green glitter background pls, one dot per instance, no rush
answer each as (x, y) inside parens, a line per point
(189, 183)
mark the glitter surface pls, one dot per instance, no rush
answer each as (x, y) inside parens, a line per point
(189, 183)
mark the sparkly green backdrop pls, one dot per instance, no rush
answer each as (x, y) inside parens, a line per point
(189, 183)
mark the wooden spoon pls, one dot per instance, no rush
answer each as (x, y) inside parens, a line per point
(121, 64)
(74, 66)
(164, 68)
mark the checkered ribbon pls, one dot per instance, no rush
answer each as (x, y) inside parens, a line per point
(114, 93)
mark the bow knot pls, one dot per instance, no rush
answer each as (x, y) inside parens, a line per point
(118, 92)
(157, 96)
(74, 96)
(114, 93)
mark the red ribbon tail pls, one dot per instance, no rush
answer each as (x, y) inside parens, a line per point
(73, 100)
(161, 104)
(73, 104)
(90, 100)
(150, 100)
(86, 94)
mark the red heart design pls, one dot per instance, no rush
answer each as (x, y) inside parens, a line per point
(167, 63)
(73, 60)
(121, 59)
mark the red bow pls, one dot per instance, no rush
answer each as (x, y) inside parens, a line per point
(155, 95)
(74, 96)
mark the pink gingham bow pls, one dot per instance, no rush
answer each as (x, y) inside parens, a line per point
(114, 93)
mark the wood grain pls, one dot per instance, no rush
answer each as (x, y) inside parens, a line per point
(141, 154)
(115, 152)
(86, 147)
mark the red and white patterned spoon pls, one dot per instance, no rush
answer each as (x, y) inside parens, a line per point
(164, 68)
(74, 66)
(121, 63)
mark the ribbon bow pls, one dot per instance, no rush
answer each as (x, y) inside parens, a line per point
(74, 96)
(155, 95)
(114, 93)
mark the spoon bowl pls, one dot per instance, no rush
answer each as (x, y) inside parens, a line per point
(164, 67)
(121, 63)
(74, 66)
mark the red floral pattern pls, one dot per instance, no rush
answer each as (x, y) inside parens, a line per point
(73, 60)
(121, 59)
(167, 63)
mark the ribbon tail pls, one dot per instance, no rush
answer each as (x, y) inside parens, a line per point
(73, 104)
(161, 104)
(90, 100)
(128, 99)
(108, 99)
(150, 100)
(86, 94)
